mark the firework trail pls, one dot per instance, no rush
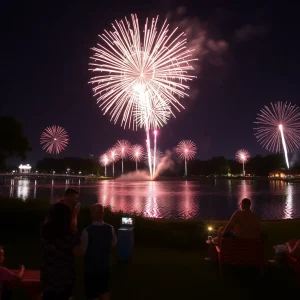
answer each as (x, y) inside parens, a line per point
(123, 149)
(186, 150)
(136, 153)
(278, 128)
(113, 156)
(104, 161)
(156, 156)
(242, 156)
(141, 74)
(54, 139)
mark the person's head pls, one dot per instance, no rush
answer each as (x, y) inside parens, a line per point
(97, 212)
(59, 222)
(1, 254)
(70, 196)
(246, 203)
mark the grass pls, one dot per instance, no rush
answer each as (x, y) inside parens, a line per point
(168, 260)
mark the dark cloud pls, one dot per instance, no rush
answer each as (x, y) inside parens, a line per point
(249, 31)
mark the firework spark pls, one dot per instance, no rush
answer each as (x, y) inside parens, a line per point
(142, 73)
(136, 153)
(186, 150)
(157, 154)
(104, 161)
(54, 139)
(279, 128)
(242, 156)
(123, 149)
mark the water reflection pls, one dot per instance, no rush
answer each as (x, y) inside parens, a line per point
(151, 208)
(12, 188)
(188, 208)
(288, 211)
(23, 188)
(210, 199)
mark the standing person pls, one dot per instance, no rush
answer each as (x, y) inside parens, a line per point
(244, 223)
(70, 198)
(97, 240)
(60, 245)
(6, 275)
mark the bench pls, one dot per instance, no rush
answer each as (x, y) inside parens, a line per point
(31, 283)
(247, 252)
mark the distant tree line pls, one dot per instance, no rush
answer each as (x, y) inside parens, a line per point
(219, 166)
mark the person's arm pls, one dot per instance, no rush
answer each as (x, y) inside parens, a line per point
(114, 237)
(75, 212)
(77, 248)
(84, 240)
(231, 224)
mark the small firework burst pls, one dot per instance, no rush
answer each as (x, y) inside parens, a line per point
(54, 139)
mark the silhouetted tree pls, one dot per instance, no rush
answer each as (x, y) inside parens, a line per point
(13, 142)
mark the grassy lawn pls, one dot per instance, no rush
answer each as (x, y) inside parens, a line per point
(168, 261)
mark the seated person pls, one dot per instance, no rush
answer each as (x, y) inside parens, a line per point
(5, 274)
(243, 224)
(291, 247)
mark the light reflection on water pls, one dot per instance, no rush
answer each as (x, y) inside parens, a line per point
(210, 199)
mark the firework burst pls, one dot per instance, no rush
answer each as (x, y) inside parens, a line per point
(113, 156)
(104, 161)
(242, 156)
(123, 149)
(136, 153)
(186, 150)
(278, 128)
(141, 74)
(54, 139)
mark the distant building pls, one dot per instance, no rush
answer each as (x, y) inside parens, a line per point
(25, 168)
(283, 174)
(277, 174)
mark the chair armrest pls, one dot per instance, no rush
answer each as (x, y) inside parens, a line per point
(218, 249)
(291, 258)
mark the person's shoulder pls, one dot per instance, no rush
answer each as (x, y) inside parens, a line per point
(237, 213)
(109, 227)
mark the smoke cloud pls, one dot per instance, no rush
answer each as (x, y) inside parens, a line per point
(199, 39)
(249, 31)
(165, 164)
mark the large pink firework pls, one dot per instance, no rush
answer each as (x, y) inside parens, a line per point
(186, 150)
(278, 128)
(137, 153)
(141, 74)
(54, 139)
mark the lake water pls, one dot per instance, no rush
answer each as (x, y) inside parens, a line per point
(210, 199)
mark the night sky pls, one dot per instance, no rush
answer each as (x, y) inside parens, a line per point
(251, 57)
